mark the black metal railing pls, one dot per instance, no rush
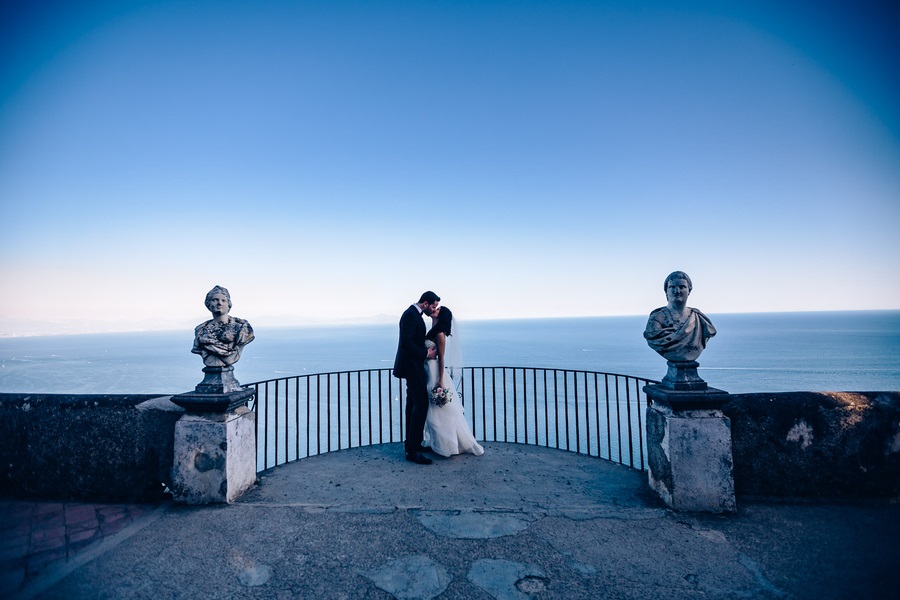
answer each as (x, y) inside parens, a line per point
(593, 413)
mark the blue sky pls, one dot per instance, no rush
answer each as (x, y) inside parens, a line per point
(329, 160)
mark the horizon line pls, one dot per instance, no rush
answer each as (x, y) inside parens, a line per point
(377, 319)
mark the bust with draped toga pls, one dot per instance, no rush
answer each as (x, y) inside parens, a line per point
(679, 334)
(676, 331)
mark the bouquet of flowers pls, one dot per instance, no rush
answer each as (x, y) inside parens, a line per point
(440, 396)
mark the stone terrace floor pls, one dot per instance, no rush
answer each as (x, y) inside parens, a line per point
(519, 522)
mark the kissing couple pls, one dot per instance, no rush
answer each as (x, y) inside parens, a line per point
(431, 364)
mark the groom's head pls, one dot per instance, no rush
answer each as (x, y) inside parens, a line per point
(429, 301)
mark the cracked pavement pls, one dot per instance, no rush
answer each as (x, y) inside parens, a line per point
(519, 522)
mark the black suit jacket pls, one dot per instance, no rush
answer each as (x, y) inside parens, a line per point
(411, 352)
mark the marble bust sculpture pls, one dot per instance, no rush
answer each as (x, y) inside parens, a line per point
(220, 340)
(676, 331)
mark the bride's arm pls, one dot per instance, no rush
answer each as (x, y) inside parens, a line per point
(440, 343)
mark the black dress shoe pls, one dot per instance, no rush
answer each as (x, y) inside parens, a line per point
(425, 449)
(418, 458)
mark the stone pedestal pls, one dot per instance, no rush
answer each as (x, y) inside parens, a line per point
(689, 449)
(219, 392)
(215, 456)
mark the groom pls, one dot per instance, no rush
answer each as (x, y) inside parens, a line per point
(410, 365)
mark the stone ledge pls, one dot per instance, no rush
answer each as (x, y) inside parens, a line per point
(94, 447)
(816, 444)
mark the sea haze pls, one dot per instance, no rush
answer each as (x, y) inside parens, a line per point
(827, 351)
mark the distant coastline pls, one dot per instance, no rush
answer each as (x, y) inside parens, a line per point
(23, 328)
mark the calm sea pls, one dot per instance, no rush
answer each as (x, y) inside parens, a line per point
(834, 351)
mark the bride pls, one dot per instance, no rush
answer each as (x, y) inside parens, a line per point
(446, 430)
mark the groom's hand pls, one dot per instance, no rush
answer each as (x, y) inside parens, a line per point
(432, 353)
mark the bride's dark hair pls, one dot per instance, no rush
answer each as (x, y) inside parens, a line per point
(443, 325)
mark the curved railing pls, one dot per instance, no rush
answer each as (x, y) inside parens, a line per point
(588, 412)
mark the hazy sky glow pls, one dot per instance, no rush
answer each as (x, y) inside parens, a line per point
(523, 159)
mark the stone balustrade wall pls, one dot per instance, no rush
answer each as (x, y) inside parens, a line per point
(116, 448)
(816, 444)
(86, 447)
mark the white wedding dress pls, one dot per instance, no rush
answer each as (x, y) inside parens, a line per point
(446, 429)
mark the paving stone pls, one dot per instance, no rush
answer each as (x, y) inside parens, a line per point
(43, 508)
(507, 580)
(82, 526)
(48, 538)
(415, 576)
(76, 513)
(111, 527)
(471, 524)
(86, 534)
(37, 561)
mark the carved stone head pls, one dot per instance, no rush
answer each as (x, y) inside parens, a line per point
(217, 290)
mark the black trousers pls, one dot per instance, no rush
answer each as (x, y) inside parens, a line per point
(416, 410)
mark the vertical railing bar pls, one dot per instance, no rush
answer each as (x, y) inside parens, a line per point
(380, 417)
(597, 412)
(535, 391)
(515, 406)
(587, 411)
(494, 401)
(618, 419)
(637, 388)
(338, 377)
(637, 391)
(275, 433)
(349, 410)
(307, 413)
(256, 425)
(287, 420)
(297, 417)
(472, 396)
(587, 414)
(369, 396)
(404, 396)
(566, 403)
(525, 403)
(503, 402)
(474, 404)
(577, 419)
(266, 430)
(390, 412)
(349, 418)
(484, 402)
(318, 414)
(608, 419)
(556, 404)
(630, 436)
(359, 408)
(546, 411)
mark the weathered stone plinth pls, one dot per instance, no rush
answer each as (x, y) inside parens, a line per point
(215, 456)
(682, 376)
(689, 449)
